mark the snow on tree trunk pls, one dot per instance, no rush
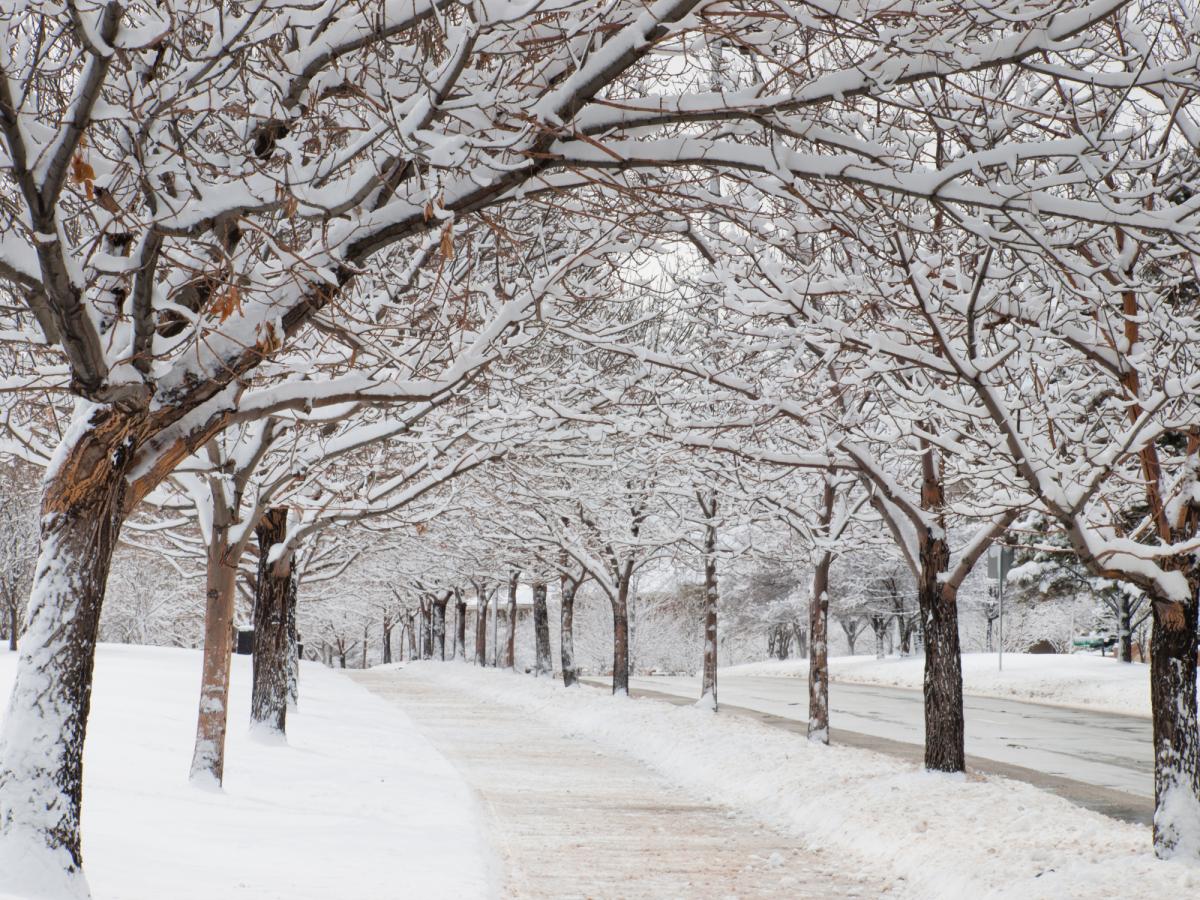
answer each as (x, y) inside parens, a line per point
(41, 743)
(943, 661)
(708, 686)
(543, 665)
(510, 636)
(208, 758)
(273, 592)
(570, 672)
(1173, 648)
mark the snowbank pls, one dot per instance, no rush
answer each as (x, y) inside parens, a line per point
(935, 836)
(1079, 680)
(356, 804)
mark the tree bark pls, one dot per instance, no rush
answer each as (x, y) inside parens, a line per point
(387, 643)
(293, 636)
(570, 672)
(1124, 629)
(273, 593)
(708, 686)
(427, 628)
(14, 626)
(208, 758)
(800, 635)
(943, 662)
(818, 653)
(510, 637)
(42, 739)
(481, 608)
(879, 625)
(1173, 648)
(544, 665)
(460, 626)
(620, 676)
(818, 629)
(439, 626)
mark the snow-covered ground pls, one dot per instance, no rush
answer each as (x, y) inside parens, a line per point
(940, 836)
(1080, 680)
(356, 804)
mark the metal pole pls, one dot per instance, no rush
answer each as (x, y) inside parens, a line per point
(1000, 655)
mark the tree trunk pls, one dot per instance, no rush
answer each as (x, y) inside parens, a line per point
(272, 598)
(342, 659)
(496, 634)
(41, 742)
(818, 652)
(570, 672)
(387, 644)
(293, 636)
(800, 634)
(208, 758)
(481, 608)
(366, 644)
(510, 637)
(781, 641)
(460, 627)
(14, 626)
(708, 686)
(943, 662)
(439, 627)
(818, 627)
(620, 676)
(544, 665)
(1173, 648)
(1124, 629)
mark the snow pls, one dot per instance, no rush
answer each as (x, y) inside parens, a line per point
(356, 803)
(940, 836)
(1077, 680)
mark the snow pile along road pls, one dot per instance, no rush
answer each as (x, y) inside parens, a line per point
(356, 803)
(1079, 680)
(942, 836)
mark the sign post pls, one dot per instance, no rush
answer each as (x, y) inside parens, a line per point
(999, 562)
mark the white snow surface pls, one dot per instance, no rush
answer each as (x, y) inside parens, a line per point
(940, 836)
(1077, 680)
(356, 803)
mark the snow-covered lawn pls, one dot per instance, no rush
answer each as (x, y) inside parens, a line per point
(356, 804)
(1081, 680)
(938, 836)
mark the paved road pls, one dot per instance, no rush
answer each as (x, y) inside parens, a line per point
(1100, 760)
(568, 818)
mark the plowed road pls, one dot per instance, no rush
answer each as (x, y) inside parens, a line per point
(1099, 760)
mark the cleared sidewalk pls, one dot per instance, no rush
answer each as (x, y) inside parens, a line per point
(569, 818)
